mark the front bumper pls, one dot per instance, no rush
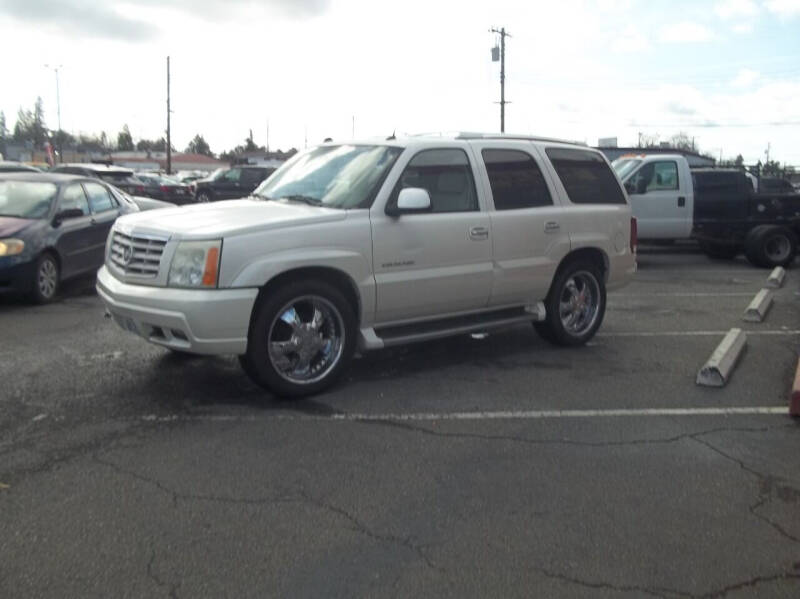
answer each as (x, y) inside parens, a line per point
(200, 321)
(17, 274)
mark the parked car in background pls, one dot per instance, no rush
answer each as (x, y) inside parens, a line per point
(161, 187)
(17, 167)
(716, 206)
(53, 227)
(231, 183)
(189, 176)
(775, 185)
(118, 176)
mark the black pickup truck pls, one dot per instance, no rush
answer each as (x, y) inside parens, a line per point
(730, 217)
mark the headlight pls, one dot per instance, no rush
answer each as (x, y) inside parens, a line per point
(11, 247)
(195, 264)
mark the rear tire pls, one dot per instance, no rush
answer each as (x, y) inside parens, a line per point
(302, 338)
(575, 305)
(46, 279)
(203, 197)
(768, 246)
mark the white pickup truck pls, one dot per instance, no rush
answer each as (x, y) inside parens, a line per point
(716, 206)
(368, 245)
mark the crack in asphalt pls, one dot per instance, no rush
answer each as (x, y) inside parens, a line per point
(300, 497)
(769, 486)
(173, 587)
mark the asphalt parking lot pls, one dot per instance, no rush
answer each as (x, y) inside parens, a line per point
(493, 467)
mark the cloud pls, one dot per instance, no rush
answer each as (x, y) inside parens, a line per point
(686, 32)
(78, 17)
(95, 19)
(736, 9)
(784, 8)
(742, 28)
(676, 107)
(745, 78)
(630, 40)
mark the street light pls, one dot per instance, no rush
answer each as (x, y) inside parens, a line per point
(55, 69)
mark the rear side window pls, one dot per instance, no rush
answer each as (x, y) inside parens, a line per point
(516, 180)
(586, 176)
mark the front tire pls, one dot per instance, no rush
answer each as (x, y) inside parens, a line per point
(46, 279)
(203, 197)
(301, 339)
(575, 305)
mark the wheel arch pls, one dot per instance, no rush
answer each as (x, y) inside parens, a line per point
(592, 254)
(333, 276)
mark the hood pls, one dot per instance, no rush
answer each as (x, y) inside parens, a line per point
(224, 219)
(10, 225)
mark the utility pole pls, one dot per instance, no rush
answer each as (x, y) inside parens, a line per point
(169, 138)
(267, 136)
(353, 132)
(58, 109)
(769, 145)
(503, 102)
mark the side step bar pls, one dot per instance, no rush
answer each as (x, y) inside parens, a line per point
(447, 327)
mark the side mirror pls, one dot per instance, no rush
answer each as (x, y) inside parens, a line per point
(67, 214)
(412, 199)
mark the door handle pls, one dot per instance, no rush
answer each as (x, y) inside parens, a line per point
(93, 221)
(681, 201)
(478, 233)
(551, 226)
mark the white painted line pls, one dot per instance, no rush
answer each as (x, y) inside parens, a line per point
(701, 294)
(787, 332)
(718, 369)
(758, 308)
(497, 415)
(776, 277)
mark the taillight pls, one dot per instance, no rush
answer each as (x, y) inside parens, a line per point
(164, 188)
(634, 235)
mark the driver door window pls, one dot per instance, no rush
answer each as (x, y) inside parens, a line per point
(74, 199)
(447, 177)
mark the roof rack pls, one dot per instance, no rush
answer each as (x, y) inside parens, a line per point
(467, 135)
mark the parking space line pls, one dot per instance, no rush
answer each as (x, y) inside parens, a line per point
(731, 294)
(494, 415)
(694, 333)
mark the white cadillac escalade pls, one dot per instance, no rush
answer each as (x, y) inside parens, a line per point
(366, 245)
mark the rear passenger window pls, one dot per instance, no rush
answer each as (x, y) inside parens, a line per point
(447, 177)
(516, 180)
(99, 199)
(586, 176)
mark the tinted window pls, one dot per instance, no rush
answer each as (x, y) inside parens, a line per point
(586, 176)
(74, 198)
(232, 175)
(516, 180)
(99, 198)
(253, 176)
(446, 175)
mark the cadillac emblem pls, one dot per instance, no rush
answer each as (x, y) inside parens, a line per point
(127, 255)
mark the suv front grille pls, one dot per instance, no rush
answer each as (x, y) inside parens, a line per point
(139, 256)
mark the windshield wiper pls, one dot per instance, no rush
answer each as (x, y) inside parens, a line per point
(301, 198)
(261, 195)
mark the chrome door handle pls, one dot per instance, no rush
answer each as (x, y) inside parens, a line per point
(551, 226)
(478, 233)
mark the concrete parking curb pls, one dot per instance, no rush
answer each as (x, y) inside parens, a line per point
(717, 370)
(758, 308)
(776, 277)
(794, 399)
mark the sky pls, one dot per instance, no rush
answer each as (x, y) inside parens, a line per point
(726, 72)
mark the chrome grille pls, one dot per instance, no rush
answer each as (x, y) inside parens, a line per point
(134, 255)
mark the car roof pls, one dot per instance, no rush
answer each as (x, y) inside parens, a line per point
(464, 136)
(57, 178)
(97, 168)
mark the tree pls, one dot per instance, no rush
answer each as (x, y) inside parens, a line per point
(3, 129)
(199, 145)
(124, 140)
(739, 162)
(682, 141)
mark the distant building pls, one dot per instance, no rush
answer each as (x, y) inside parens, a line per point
(693, 158)
(155, 161)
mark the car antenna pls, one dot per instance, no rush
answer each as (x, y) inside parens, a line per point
(392, 136)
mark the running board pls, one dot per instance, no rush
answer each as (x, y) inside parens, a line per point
(447, 327)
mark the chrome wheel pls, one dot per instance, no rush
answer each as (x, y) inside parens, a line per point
(579, 304)
(778, 248)
(202, 198)
(47, 278)
(306, 339)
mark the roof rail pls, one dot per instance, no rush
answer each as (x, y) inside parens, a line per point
(467, 135)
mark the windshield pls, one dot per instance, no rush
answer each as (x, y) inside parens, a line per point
(26, 199)
(334, 176)
(625, 166)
